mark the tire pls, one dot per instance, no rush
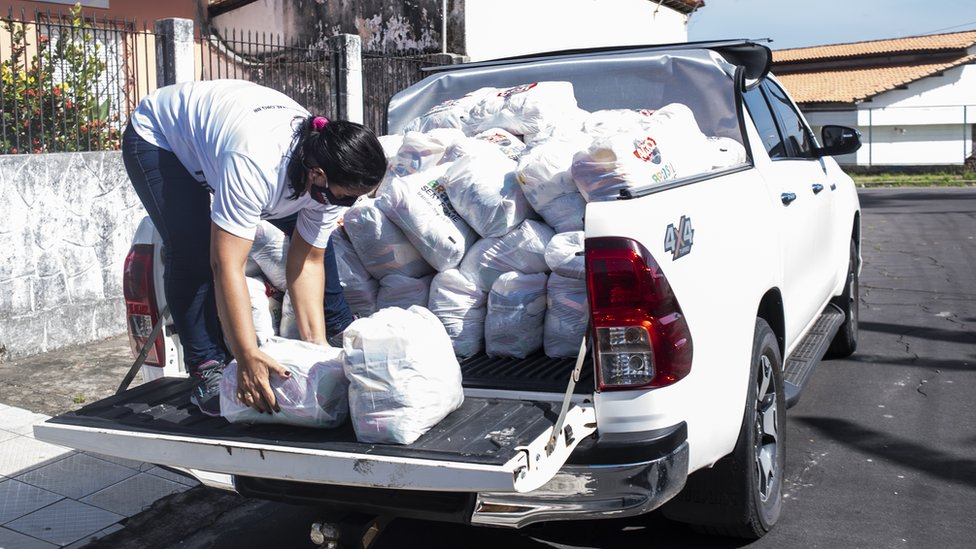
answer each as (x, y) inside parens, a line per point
(742, 494)
(845, 342)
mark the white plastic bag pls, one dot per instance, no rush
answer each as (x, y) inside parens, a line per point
(484, 191)
(270, 252)
(510, 145)
(566, 316)
(261, 313)
(403, 291)
(544, 172)
(566, 213)
(358, 286)
(516, 315)
(453, 113)
(391, 145)
(314, 395)
(726, 152)
(670, 147)
(527, 109)
(521, 250)
(607, 122)
(561, 255)
(403, 375)
(419, 206)
(461, 307)
(381, 244)
(288, 324)
(422, 151)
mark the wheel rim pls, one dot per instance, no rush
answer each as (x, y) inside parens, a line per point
(766, 430)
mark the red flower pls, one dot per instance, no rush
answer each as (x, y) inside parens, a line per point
(13, 151)
(56, 91)
(68, 104)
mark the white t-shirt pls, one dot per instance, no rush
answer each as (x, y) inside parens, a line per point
(237, 137)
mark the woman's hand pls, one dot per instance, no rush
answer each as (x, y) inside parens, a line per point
(254, 373)
(228, 254)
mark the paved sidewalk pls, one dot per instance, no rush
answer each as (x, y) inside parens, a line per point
(51, 496)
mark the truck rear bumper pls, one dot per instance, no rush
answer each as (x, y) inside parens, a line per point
(590, 491)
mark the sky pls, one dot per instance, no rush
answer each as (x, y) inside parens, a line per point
(800, 23)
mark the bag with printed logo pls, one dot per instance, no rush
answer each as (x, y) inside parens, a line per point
(670, 147)
(422, 151)
(484, 191)
(380, 244)
(528, 109)
(418, 204)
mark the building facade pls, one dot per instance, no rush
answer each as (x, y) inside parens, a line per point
(913, 99)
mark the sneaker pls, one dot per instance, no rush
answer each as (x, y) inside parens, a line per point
(205, 393)
(335, 340)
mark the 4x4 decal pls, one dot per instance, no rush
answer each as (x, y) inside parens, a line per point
(678, 240)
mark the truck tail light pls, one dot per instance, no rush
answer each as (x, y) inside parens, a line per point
(641, 338)
(141, 312)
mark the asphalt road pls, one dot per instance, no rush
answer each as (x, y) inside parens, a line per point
(881, 448)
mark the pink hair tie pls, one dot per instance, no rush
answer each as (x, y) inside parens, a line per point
(319, 122)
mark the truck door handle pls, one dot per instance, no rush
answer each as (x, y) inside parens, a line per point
(817, 187)
(787, 198)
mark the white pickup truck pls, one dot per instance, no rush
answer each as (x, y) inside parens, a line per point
(712, 297)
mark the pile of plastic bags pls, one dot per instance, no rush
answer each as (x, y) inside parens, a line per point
(490, 191)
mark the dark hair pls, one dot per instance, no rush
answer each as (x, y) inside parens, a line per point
(349, 153)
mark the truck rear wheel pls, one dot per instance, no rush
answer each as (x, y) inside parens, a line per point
(845, 342)
(742, 495)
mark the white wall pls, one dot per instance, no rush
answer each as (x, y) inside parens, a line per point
(503, 28)
(66, 222)
(928, 123)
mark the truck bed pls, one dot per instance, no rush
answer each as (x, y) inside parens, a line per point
(485, 434)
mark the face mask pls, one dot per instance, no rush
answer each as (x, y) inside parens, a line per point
(323, 195)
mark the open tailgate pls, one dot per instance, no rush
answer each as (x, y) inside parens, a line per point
(489, 444)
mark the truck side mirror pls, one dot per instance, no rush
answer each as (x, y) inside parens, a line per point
(839, 140)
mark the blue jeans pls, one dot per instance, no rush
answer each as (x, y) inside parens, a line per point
(179, 207)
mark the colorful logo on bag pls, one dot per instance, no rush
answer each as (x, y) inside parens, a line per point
(517, 89)
(647, 150)
(498, 139)
(437, 198)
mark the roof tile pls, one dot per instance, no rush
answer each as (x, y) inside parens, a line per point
(853, 85)
(934, 42)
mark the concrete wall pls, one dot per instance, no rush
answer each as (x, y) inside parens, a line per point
(66, 221)
(502, 28)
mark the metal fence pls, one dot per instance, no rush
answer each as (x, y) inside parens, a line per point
(383, 76)
(302, 70)
(68, 83)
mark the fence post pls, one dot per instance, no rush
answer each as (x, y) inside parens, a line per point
(449, 58)
(174, 50)
(347, 83)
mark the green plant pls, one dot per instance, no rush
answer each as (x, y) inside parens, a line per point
(49, 103)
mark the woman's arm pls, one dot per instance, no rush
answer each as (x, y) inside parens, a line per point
(306, 286)
(228, 254)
